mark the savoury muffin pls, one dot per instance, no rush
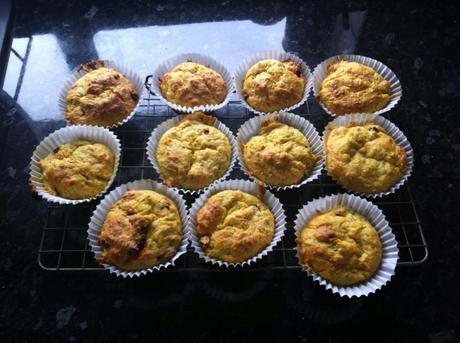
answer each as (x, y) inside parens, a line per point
(102, 97)
(78, 169)
(234, 226)
(351, 87)
(341, 246)
(141, 230)
(194, 153)
(279, 155)
(192, 84)
(364, 158)
(271, 85)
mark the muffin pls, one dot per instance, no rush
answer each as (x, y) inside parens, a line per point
(234, 226)
(102, 97)
(341, 246)
(141, 230)
(194, 153)
(279, 155)
(192, 84)
(364, 158)
(272, 85)
(351, 87)
(78, 169)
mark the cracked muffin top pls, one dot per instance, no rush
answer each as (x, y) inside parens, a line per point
(279, 154)
(364, 158)
(272, 85)
(341, 246)
(194, 153)
(351, 87)
(141, 230)
(234, 226)
(192, 84)
(78, 169)
(102, 97)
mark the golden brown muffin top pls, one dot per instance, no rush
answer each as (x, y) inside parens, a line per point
(351, 87)
(364, 158)
(194, 153)
(341, 246)
(272, 85)
(279, 155)
(101, 97)
(234, 226)
(141, 230)
(192, 84)
(78, 169)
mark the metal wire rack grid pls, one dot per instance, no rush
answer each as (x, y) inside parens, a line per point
(64, 244)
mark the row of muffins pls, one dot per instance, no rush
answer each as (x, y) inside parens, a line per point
(100, 94)
(282, 150)
(343, 240)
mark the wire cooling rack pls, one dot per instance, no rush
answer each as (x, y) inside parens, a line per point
(64, 244)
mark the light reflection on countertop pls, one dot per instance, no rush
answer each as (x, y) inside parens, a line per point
(44, 75)
(229, 42)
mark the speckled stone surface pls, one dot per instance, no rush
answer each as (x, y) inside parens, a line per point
(419, 42)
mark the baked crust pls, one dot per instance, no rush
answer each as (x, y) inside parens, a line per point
(234, 226)
(192, 84)
(101, 97)
(193, 153)
(78, 169)
(351, 87)
(272, 85)
(341, 246)
(364, 158)
(279, 155)
(141, 230)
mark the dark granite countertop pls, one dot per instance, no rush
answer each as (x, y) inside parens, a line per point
(418, 41)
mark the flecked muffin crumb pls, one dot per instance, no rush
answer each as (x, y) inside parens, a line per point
(78, 169)
(364, 158)
(102, 97)
(351, 87)
(341, 246)
(279, 154)
(141, 230)
(192, 84)
(194, 153)
(234, 226)
(272, 85)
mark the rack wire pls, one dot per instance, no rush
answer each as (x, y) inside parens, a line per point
(64, 244)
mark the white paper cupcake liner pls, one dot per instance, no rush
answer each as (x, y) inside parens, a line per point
(242, 69)
(245, 186)
(375, 216)
(171, 63)
(100, 213)
(158, 132)
(252, 126)
(65, 135)
(391, 129)
(121, 68)
(320, 73)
